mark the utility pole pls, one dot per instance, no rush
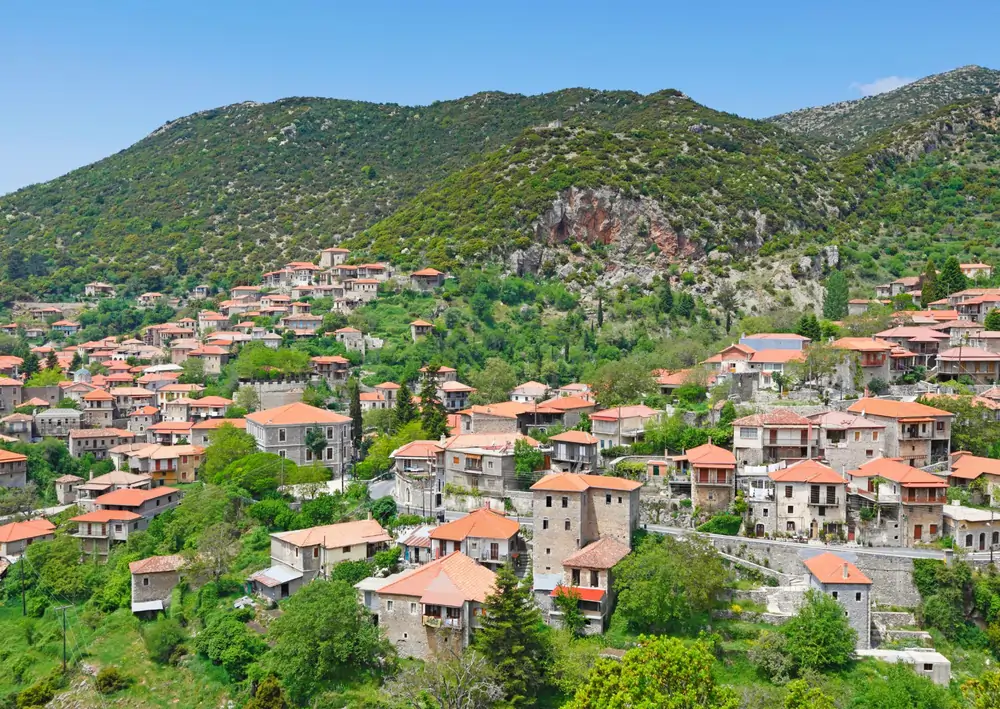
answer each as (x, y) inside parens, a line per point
(63, 609)
(24, 604)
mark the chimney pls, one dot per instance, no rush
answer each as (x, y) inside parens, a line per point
(845, 571)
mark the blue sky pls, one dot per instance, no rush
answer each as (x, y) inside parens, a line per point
(83, 80)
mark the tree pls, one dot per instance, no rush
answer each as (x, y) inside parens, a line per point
(567, 602)
(666, 297)
(269, 695)
(877, 386)
(357, 422)
(600, 309)
(973, 428)
(217, 547)
(808, 326)
(30, 365)
(684, 305)
(316, 442)
(452, 681)
(76, 363)
(727, 414)
(659, 672)
(782, 381)
(769, 656)
(513, 638)
(801, 696)
(226, 444)
(50, 360)
(527, 459)
(820, 636)
(984, 691)
(227, 641)
(246, 397)
(194, 371)
(433, 417)
(992, 321)
(668, 584)
(404, 411)
(324, 635)
(837, 295)
(951, 279)
(623, 382)
(162, 638)
(384, 509)
(727, 301)
(929, 289)
(495, 382)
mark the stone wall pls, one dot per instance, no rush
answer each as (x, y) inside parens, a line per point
(278, 392)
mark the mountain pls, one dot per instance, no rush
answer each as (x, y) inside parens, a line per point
(847, 125)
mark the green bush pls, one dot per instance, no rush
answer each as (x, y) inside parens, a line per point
(722, 524)
(110, 680)
(37, 695)
(162, 639)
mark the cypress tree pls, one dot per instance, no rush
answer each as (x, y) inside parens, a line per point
(666, 297)
(512, 637)
(404, 411)
(433, 417)
(357, 424)
(50, 360)
(808, 326)
(835, 302)
(930, 290)
(600, 311)
(952, 279)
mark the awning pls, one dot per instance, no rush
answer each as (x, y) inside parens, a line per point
(586, 594)
(916, 420)
(276, 575)
(143, 606)
(443, 597)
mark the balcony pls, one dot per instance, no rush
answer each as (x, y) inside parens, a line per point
(433, 621)
(487, 556)
(824, 502)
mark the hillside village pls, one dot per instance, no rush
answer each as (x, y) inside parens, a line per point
(824, 462)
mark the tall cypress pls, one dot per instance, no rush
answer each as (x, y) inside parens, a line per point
(433, 417)
(952, 279)
(837, 295)
(930, 290)
(404, 411)
(357, 423)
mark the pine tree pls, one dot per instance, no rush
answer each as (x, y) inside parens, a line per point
(929, 287)
(433, 417)
(952, 279)
(666, 297)
(50, 360)
(77, 362)
(808, 326)
(30, 365)
(512, 637)
(404, 411)
(684, 305)
(600, 311)
(837, 294)
(357, 424)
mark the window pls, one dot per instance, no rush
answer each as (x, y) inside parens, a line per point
(281, 435)
(388, 606)
(874, 435)
(934, 529)
(548, 500)
(869, 453)
(281, 454)
(928, 667)
(548, 551)
(329, 432)
(857, 435)
(296, 552)
(790, 526)
(788, 490)
(940, 425)
(315, 552)
(413, 608)
(594, 579)
(329, 453)
(145, 580)
(454, 459)
(968, 540)
(791, 509)
(575, 577)
(748, 432)
(765, 512)
(566, 525)
(835, 595)
(857, 596)
(619, 499)
(346, 550)
(545, 524)
(309, 454)
(607, 498)
(565, 502)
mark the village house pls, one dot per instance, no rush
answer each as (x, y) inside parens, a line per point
(454, 395)
(577, 517)
(415, 544)
(418, 487)
(11, 395)
(974, 271)
(371, 400)
(777, 435)
(924, 342)
(907, 502)
(967, 469)
(775, 341)
(170, 392)
(440, 376)
(209, 320)
(98, 408)
(807, 499)
(713, 476)
(65, 487)
(388, 390)
(972, 528)
(621, 425)
(153, 582)
(670, 381)
(864, 359)
(166, 465)
(13, 469)
(979, 365)
(484, 535)
(169, 433)
(482, 463)
(15, 537)
(212, 357)
(142, 418)
(19, 427)
(57, 423)
(768, 363)
(282, 430)
(502, 417)
(66, 327)
(299, 556)
(351, 338)
(426, 279)
(98, 289)
(574, 451)
(529, 392)
(914, 432)
(97, 441)
(127, 399)
(333, 368)
(732, 360)
(10, 367)
(333, 256)
(181, 348)
(847, 441)
(150, 299)
(844, 582)
(302, 324)
(420, 328)
(433, 609)
(201, 431)
(117, 514)
(70, 488)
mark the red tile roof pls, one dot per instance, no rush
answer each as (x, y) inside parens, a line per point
(29, 529)
(580, 437)
(602, 554)
(332, 536)
(449, 581)
(593, 595)
(574, 482)
(157, 564)
(484, 523)
(808, 471)
(890, 408)
(106, 516)
(708, 455)
(776, 417)
(898, 472)
(830, 569)
(133, 497)
(297, 413)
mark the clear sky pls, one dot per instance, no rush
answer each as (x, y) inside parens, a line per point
(82, 80)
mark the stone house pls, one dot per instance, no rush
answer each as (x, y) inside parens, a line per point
(371, 400)
(166, 465)
(57, 423)
(420, 328)
(66, 327)
(213, 358)
(907, 502)
(97, 441)
(201, 431)
(97, 289)
(529, 392)
(86, 492)
(142, 418)
(589, 574)
(333, 368)
(98, 408)
(433, 609)
(924, 342)
(574, 451)
(127, 399)
(442, 375)
(18, 426)
(16, 536)
(282, 430)
(863, 359)
(11, 395)
(351, 338)
(777, 435)
(65, 486)
(454, 395)
(388, 390)
(169, 433)
(713, 476)
(118, 514)
(333, 256)
(914, 432)
(844, 582)
(419, 483)
(972, 528)
(846, 441)
(171, 392)
(181, 348)
(153, 582)
(731, 360)
(763, 341)
(485, 535)
(982, 366)
(503, 417)
(426, 279)
(299, 556)
(481, 462)
(804, 499)
(622, 425)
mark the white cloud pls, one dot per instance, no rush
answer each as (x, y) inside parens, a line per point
(880, 86)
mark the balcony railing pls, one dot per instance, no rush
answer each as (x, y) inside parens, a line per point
(495, 558)
(433, 621)
(824, 502)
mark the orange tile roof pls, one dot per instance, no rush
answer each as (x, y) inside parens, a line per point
(331, 359)
(171, 427)
(145, 411)
(503, 409)
(218, 422)
(580, 437)
(488, 441)
(11, 457)
(613, 414)
(8, 382)
(212, 401)
(808, 471)
(332, 536)
(100, 433)
(970, 467)
(422, 323)
(133, 497)
(898, 472)
(777, 356)
(593, 595)
(484, 523)
(776, 417)
(427, 272)
(567, 403)
(862, 344)
(830, 568)
(294, 414)
(449, 581)
(602, 554)
(157, 564)
(28, 529)
(98, 395)
(968, 353)
(574, 482)
(106, 516)
(370, 396)
(709, 455)
(417, 449)
(894, 409)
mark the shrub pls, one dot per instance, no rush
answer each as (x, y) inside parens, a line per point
(110, 680)
(37, 695)
(162, 639)
(769, 656)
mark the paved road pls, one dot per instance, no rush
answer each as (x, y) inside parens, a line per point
(381, 488)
